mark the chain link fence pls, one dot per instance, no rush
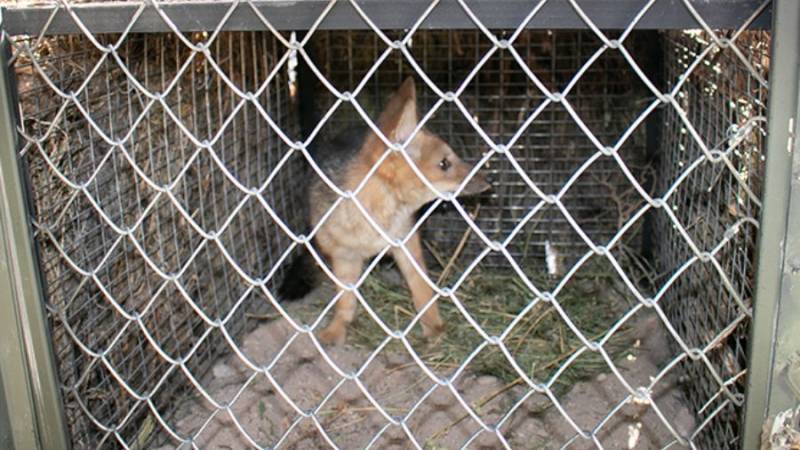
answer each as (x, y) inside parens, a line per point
(598, 296)
(88, 194)
(722, 97)
(607, 98)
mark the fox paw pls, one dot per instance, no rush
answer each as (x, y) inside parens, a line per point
(332, 335)
(433, 332)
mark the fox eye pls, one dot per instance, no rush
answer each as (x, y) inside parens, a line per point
(444, 164)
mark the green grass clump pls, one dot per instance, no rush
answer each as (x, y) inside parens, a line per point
(540, 342)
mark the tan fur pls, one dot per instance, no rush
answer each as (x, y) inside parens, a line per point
(390, 196)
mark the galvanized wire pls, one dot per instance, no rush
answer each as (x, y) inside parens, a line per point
(607, 98)
(722, 95)
(146, 244)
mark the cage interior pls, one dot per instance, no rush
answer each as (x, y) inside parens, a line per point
(162, 229)
(549, 146)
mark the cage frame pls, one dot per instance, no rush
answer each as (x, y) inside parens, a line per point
(776, 305)
(31, 414)
(288, 15)
(32, 410)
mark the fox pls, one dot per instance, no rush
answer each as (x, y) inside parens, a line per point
(391, 195)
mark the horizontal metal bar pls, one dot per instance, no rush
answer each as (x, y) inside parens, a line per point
(395, 14)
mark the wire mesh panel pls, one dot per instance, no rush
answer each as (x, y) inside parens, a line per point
(500, 98)
(597, 296)
(721, 97)
(99, 156)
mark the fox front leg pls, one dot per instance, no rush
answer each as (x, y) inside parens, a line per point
(347, 271)
(421, 292)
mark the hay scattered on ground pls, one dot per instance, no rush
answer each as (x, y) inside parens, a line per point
(540, 343)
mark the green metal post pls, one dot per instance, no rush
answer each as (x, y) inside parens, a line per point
(31, 398)
(774, 372)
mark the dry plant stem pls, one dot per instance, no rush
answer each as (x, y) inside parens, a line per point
(461, 244)
(530, 329)
(479, 404)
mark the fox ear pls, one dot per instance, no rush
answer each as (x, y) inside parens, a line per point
(399, 119)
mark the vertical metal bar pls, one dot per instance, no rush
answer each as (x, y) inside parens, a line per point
(27, 368)
(6, 435)
(775, 334)
(653, 65)
(307, 116)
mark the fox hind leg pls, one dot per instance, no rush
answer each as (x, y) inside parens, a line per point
(421, 292)
(347, 271)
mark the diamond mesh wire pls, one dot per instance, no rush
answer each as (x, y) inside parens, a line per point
(166, 171)
(84, 260)
(608, 97)
(721, 95)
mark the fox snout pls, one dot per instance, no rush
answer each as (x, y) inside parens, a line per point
(478, 184)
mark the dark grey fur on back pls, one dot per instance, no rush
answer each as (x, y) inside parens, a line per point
(334, 155)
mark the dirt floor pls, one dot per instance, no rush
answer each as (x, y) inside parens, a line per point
(397, 383)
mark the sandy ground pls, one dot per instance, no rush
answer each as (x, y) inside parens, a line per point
(439, 422)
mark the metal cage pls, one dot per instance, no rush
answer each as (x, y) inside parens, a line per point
(78, 235)
(720, 99)
(154, 195)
